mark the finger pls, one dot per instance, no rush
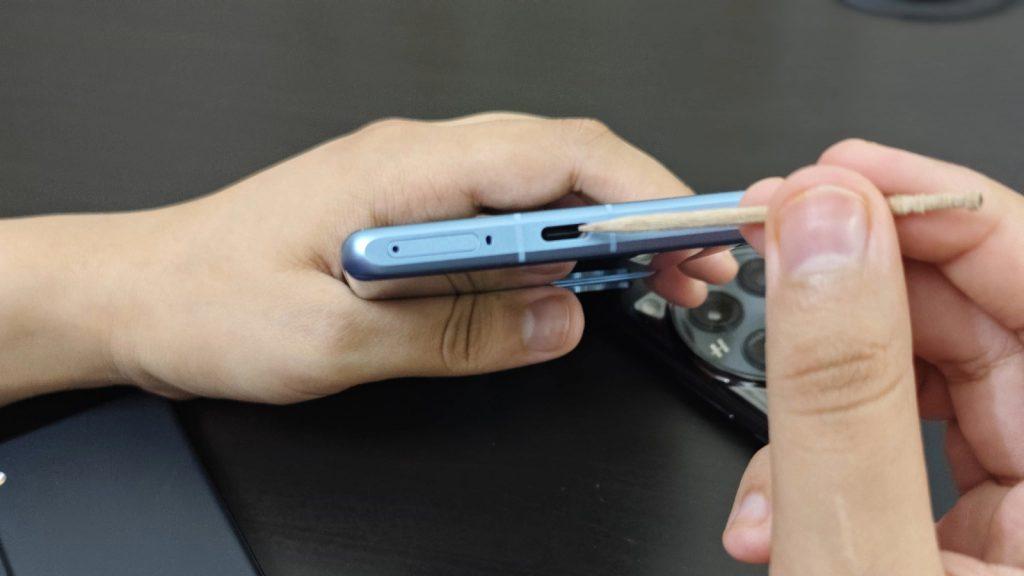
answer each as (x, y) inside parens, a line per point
(510, 165)
(671, 283)
(748, 534)
(981, 361)
(961, 565)
(967, 471)
(678, 288)
(472, 333)
(758, 194)
(333, 341)
(933, 400)
(460, 283)
(493, 116)
(978, 251)
(964, 528)
(1006, 530)
(717, 268)
(987, 523)
(846, 455)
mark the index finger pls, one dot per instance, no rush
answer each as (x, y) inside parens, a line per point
(981, 252)
(511, 162)
(508, 162)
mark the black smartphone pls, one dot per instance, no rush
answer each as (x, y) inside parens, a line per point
(717, 348)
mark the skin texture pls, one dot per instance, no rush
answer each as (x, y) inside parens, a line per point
(856, 348)
(871, 322)
(240, 294)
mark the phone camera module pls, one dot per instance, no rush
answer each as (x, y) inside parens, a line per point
(727, 331)
(751, 276)
(719, 313)
(753, 349)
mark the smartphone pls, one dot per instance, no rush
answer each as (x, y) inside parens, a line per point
(717, 349)
(524, 239)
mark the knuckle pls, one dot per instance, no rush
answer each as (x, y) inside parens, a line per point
(495, 115)
(586, 130)
(820, 378)
(980, 366)
(463, 341)
(842, 149)
(1006, 527)
(388, 126)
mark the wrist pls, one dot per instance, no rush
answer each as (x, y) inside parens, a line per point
(58, 303)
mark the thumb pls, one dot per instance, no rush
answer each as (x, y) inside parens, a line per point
(473, 333)
(849, 489)
(748, 536)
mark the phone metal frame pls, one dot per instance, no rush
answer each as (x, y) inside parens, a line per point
(525, 238)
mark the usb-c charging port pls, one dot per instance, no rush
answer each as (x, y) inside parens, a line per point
(561, 232)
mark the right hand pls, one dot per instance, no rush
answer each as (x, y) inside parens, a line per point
(965, 281)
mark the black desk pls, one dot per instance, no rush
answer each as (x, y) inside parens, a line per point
(595, 464)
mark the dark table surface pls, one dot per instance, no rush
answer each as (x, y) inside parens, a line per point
(599, 463)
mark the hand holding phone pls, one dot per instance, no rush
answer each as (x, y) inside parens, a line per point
(241, 293)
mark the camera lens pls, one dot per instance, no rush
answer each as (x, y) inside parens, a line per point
(751, 276)
(753, 349)
(720, 312)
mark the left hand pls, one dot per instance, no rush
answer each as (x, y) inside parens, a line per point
(240, 294)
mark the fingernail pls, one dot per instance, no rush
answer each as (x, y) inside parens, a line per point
(546, 324)
(753, 509)
(822, 230)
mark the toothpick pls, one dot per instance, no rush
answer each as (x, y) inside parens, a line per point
(901, 205)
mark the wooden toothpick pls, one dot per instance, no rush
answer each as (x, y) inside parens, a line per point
(901, 205)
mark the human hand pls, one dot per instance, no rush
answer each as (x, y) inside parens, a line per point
(855, 348)
(240, 294)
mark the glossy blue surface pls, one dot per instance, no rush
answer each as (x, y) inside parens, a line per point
(517, 239)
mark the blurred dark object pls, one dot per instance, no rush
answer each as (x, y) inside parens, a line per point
(34, 413)
(929, 9)
(114, 490)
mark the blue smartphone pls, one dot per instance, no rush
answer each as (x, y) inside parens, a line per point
(525, 238)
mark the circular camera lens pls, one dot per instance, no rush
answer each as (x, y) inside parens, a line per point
(751, 276)
(720, 312)
(753, 349)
